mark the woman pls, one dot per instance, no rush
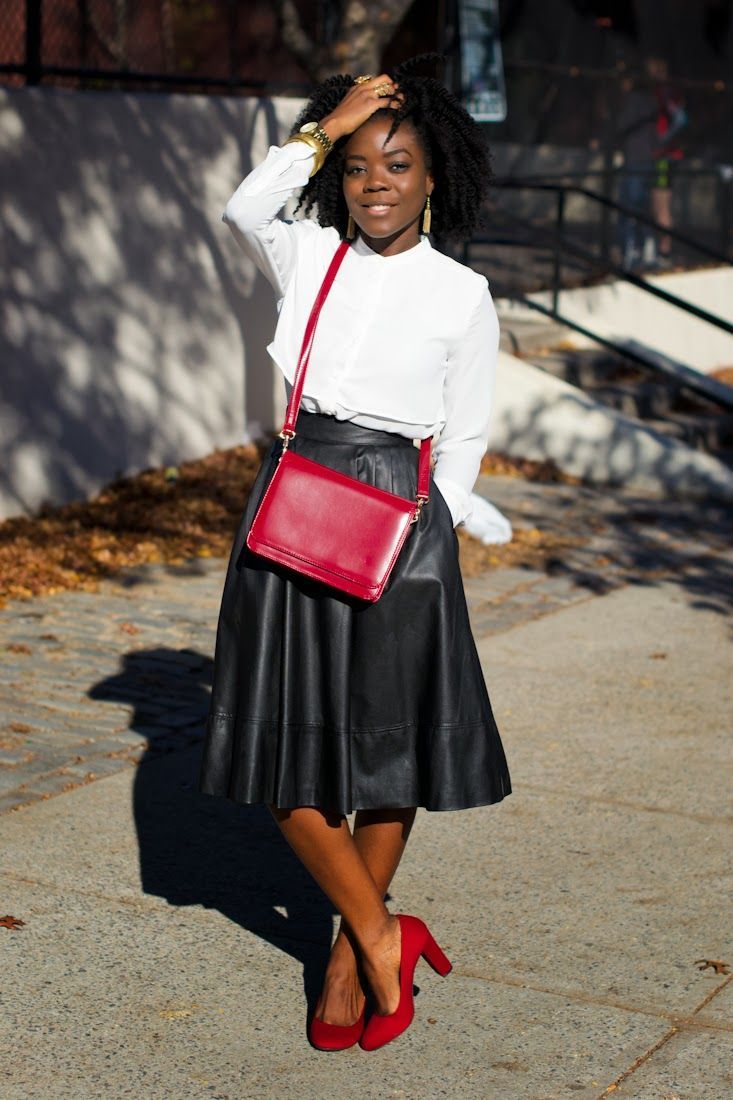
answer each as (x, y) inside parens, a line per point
(321, 704)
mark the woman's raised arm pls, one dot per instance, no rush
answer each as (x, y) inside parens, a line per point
(251, 212)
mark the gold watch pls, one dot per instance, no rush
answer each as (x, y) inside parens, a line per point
(311, 134)
(315, 130)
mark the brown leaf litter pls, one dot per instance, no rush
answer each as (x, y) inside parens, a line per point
(156, 517)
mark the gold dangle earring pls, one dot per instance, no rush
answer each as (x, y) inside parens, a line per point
(350, 229)
(426, 216)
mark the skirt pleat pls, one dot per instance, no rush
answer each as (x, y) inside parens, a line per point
(320, 699)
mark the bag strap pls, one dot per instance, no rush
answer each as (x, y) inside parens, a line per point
(291, 414)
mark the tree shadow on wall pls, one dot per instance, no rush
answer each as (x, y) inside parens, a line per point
(124, 294)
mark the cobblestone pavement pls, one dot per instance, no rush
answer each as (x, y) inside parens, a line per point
(93, 682)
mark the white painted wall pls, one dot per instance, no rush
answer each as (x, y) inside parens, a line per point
(539, 416)
(133, 329)
(624, 312)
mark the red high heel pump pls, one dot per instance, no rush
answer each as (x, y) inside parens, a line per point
(325, 1036)
(416, 941)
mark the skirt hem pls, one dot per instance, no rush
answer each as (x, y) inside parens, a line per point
(316, 802)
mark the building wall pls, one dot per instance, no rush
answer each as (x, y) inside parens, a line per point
(133, 328)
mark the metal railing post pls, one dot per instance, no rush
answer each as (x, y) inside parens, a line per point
(33, 41)
(83, 13)
(233, 26)
(724, 189)
(557, 252)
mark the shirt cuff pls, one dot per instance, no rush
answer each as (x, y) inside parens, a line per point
(292, 151)
(268, 186)
(457, 499)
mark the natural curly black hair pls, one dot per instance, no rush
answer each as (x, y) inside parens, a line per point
(455, 151)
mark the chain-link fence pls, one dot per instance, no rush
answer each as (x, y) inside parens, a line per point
(12, 40)
(187, 44)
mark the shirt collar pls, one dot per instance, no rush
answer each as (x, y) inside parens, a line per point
(410, 255)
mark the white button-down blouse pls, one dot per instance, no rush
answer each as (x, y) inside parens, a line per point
(405, 343)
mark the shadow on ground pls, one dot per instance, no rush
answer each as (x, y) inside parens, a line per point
(199, 850)
(627, 538)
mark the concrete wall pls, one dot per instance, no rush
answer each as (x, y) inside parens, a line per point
(133, 328)
(539, 416)
(624, 312)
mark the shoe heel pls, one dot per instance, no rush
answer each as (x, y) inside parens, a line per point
(439, 961)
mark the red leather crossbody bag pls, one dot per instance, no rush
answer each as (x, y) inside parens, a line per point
(323, 523)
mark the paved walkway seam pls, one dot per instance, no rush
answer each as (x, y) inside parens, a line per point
(676, 1030)
(622, 803)
(608, 1002)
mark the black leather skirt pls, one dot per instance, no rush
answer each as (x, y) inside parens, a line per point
(320, 699)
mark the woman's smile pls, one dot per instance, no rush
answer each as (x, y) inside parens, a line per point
(377, 208)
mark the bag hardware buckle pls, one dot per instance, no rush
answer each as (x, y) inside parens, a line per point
(286, 435)
(416, 515)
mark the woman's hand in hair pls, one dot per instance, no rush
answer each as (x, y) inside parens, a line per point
(359, 104)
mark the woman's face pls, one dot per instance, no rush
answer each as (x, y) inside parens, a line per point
(385, 186)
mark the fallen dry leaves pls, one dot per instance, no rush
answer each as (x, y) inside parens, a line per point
(529, 547)
(11, 922)
(174, 514)
(723, 374)
(716, 965)
(177, 1013)
(136, 520)
(528, 468)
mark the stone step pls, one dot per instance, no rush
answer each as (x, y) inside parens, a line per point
(525, 336)
(660, 404)
(640, 399)
(704, 432)
(583, 366)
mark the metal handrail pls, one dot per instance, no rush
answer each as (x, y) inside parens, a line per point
(608, 267)
(175, 80)
(709, 388)
(561, 188)
(680, 170)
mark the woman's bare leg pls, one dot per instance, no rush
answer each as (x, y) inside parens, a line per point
(380, 837)
(324, 844)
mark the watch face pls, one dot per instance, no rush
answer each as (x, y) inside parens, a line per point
(308, 127)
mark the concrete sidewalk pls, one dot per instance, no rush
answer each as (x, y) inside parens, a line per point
(172, 942)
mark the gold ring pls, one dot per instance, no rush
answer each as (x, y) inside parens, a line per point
(383, 90)
(362, 79)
